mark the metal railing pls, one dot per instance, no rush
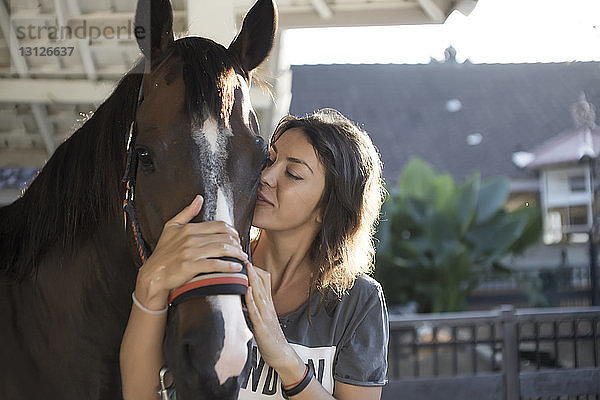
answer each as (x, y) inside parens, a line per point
(504, 354)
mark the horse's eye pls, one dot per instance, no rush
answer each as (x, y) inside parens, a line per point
(145, 158)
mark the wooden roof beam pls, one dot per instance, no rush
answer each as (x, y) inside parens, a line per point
(433, 10)
(39, 110)
(322, 9)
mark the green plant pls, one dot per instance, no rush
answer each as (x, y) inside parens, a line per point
(436, 237)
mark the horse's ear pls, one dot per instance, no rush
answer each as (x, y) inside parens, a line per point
(254, 42)
(154, 27)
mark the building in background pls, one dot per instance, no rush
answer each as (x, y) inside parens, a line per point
(512, 120)
(565, 165)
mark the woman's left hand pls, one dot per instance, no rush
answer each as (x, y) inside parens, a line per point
(271, 341)
(277, 352)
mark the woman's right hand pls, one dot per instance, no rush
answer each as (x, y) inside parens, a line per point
(184, 250)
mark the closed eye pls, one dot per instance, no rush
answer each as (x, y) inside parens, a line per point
(270, 161)
(295, 177)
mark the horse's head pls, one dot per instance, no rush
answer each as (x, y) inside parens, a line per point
(197, 133)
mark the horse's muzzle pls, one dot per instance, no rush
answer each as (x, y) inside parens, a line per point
(207, 347)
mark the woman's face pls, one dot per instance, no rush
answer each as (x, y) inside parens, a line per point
(291, 185)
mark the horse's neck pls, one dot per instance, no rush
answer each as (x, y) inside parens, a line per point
(66, 267)
(82, 285)
(102, 265)
(75, 309)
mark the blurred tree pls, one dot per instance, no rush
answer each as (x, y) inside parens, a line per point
(436, 237)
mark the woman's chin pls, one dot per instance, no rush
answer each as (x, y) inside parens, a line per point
(257, 221)
(266, 223)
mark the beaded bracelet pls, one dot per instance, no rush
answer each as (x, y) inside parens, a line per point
(300, 386)
(147, 310)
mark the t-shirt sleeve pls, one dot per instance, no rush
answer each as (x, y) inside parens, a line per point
(362, 359)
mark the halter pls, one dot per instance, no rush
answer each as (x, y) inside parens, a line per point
(129, 180)
(202, 284)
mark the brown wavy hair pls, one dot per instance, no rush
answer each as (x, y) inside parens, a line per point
(351, 200)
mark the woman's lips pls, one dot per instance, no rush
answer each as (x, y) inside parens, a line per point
(261, 201)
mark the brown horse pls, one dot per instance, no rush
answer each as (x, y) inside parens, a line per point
(67, 265)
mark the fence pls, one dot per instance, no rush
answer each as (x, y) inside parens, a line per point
(505, 354)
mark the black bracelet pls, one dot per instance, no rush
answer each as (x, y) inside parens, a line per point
(310, 372)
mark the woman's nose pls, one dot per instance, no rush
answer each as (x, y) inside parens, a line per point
(267, 176)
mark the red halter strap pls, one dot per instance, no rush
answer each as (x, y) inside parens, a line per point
(211, 284)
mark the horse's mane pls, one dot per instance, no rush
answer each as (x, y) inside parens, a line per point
(79, 188)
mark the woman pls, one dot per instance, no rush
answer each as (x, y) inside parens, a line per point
(318, 321)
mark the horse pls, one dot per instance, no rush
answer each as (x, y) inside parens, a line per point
(179, 123)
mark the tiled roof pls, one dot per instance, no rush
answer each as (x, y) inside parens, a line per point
(459, 117)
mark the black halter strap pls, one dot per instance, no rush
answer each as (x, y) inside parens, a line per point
(202, 284)
(129, 180)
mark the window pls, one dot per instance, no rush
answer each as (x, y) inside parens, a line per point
(577, 184)
(569, 219)
(578, 215)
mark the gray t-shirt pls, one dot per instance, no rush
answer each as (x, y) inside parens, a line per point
(346, 340)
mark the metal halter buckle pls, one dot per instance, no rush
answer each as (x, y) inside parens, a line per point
(164, 390)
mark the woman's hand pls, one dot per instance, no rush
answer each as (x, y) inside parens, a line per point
(271, 341)
(184, 250)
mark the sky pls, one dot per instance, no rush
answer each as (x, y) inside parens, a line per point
(496, 31)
